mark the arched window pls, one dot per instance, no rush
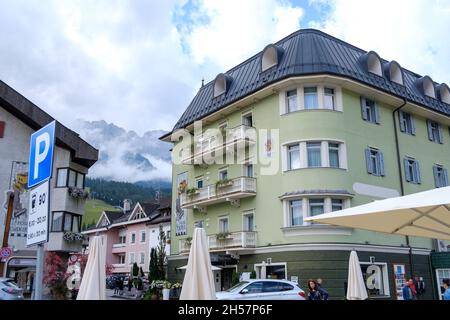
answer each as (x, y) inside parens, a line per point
(394, 72)
(221, 84)
(443, 93)
(426, 86)
(271, 56)
(372, 63)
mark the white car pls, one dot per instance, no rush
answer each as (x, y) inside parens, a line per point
(9, 290)
(263, 289)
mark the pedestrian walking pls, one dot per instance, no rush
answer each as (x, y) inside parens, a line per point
(446, 285)
(320, 287)
(316, 292)
(116, 285)
(120, 285)
(409, 292)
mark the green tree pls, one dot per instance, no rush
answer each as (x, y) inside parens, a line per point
(153, 266)
(135, 270)
(162, 257)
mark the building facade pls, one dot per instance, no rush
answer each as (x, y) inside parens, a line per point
(73, 157)
(309, 125)
(131, 234)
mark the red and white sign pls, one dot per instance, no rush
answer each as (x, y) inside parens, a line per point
(6, 253)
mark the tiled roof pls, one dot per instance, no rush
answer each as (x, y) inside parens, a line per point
(305, 52)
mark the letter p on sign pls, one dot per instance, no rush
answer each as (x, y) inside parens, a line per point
(41, 155)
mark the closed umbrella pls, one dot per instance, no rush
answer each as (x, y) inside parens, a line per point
(263, 270)
(93, 283)
(198, 283)
(356, 289)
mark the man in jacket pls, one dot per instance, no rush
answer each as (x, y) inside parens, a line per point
(408, 291)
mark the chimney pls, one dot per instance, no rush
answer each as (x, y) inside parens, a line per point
(126, 205)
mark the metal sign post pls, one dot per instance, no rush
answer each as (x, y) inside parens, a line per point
(42, 147)
(10, 204)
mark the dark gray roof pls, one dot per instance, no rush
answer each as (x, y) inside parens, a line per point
(36, 118)
(316, 191)
(114, 215)
(305, 52)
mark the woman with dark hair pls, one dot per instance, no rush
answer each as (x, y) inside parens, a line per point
(316, 292)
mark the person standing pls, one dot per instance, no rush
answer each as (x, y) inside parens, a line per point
(446, 285)
(408, 291)
(316, 292)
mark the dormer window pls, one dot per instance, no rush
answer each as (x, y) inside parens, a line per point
(271, 57)
(372, 62)
(426, 86)
(394, 72)
(443, 93)
(221, 84)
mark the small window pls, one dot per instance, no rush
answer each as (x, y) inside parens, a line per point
(223, 174)
(291, 100)
(133, 238)
(440, 176)
(314, 154)
(412, 171)
(247, 120)
(80, 180)
(375, 162)
(122, 239)
(121, 259)
(57, 221)
(370, 110)
(337, 204)
(76, 223)
(248, 170)
(295, 212)
(168, 234)
(293, 156)
(199, 183)
(434, 131)
(223, 225)
(61, 180)
(311, 101)
(407, 123)
(328, 99)
(72, 178)
(142, 258)
(142, 236)
(333, 150)
(131, 258)
(249, 222)
(316, 207)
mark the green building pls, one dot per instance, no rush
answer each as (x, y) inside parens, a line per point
(309, 125)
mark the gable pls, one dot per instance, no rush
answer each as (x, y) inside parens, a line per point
(138, 213)
(103, 221)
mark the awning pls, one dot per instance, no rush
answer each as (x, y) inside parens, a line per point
(424, 214)
(213, 268)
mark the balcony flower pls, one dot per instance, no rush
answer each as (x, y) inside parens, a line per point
(78, 193)
(73, 236)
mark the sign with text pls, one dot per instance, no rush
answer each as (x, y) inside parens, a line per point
(400, 280)
(41, 155)
(38, 214)
(181, 214)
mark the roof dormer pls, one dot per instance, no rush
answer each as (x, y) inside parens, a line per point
(271, 57)
(426, 87)
(221, 84)
(443, 93)
(394, 72)
(371, 62)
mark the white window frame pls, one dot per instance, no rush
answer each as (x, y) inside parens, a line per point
(219, 224)
(123, 258)
(257, 268)
(317, 94)
(131, 260)
(145, 236)
(131, 238)
(439, 282)
(332, 95)
(245, 115)
(385, 271)
(200, 178)
(141, 255)
(220, 171)
(248, 213)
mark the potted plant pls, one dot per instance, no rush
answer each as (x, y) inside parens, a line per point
(223, 236)
(188, 242)
(176, 288)
(166, 290)
(78, 193)
(223, 183)
(192, 192)
(253, 275)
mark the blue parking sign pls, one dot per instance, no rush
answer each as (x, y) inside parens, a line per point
(41, 155)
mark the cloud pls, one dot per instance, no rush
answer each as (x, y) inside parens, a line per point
(412, 32)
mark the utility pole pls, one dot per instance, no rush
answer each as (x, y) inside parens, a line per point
(9, 212)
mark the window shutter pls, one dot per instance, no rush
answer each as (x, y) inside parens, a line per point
(436, 177)
(440, 134)
(363, 108)
(430, 132)
(413, 125)
(381, 161)
(445, 177)
(417, 170)
(368, 162)
(401, 116)
(377, 113)
(407, 173)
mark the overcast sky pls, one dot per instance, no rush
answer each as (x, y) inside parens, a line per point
(138, 63)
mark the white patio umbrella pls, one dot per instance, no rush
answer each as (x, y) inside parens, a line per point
(198, 283)
(93, 283)
(263, 274)
(356, 289)
(424, 214)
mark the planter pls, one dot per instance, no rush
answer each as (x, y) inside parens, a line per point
(154, 297)
(166, 294)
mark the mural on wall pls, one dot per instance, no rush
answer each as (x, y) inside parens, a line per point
(180, 219)
(19, 220)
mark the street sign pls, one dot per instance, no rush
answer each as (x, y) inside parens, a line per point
(6, 253)
(41, 155)
(38, 214)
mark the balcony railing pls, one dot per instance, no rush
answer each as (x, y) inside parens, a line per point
(118, 247)
(235, 240)
(232, 190)
(217, 145)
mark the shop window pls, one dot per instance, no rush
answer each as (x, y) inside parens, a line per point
(376, 279)
(442, 274)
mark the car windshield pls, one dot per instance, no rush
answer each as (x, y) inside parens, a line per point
(238, 286)
(10, 283)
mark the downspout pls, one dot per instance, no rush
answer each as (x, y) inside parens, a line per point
(402, 187)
